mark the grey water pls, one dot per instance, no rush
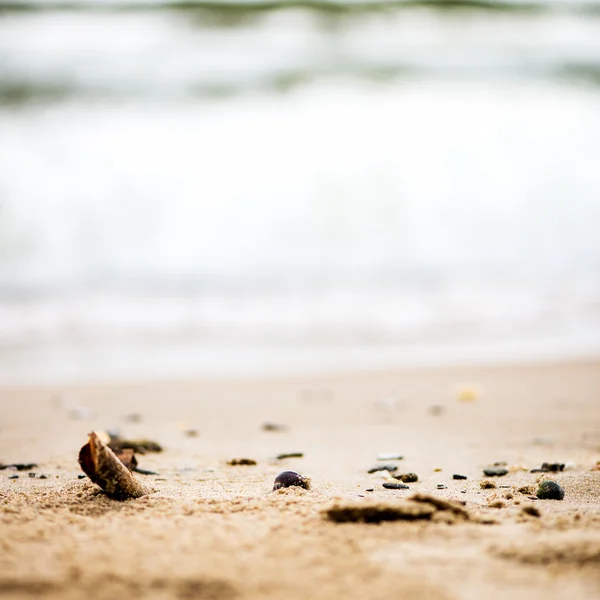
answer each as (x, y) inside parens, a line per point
(263, 188)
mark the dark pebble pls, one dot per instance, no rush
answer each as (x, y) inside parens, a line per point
(550, 490)
(407, 477)
(495, 472)
(32, 475)
(549, 468)
(531, 510)
(370, 490)
(242, 461)
(15, 476)
(395, 486)
(290, 455)
(19, 466)
(457, 476)
(291, 479)
(390, 468)
(81, 476)
(441, 486)
(46, 476)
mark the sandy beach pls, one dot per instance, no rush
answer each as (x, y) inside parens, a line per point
(211, 530)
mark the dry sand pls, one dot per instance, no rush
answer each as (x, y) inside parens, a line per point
(214, 531)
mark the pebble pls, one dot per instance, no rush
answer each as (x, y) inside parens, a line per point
(15, 476)
(549, 468)
(390, 456)
(32, 475)
(290, 455)
(390, 468)
(457, 476)
(531, 510)
(82, 413)
(291, 479)
(550, 490)
(370, 490)
(495, 472)
(81, 476)
(238, 461)
(276, 427)
(407, 477)
(395, 486)
(441, 486)
(43, 476)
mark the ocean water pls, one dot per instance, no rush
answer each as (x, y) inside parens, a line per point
(268, 189)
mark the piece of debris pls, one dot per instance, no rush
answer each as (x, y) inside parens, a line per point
(389, 485)
(32, 475)
(141, 446)
(441, 486)
(15, 476)
(370, 490)
(486, 484)
(81, 476)
(550, 490)
(371, 512)
(407, 477)
(390, 456)
(377, 468)
(276, 427)
(42, 476)
(19, 466)
(234, 462)
(470, 392)
(531, 510)
(457, 476)
(291, 479)
(290, 455)
(495, 472)
(549, 468)
(134, 418)
(102, 466)
(419, 506)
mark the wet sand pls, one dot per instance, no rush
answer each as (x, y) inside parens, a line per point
(215, 531)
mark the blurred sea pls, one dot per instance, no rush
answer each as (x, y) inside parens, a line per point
(278, 187)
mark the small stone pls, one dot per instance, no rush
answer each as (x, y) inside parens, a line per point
(441, 486)
(275, 427)
(234, 462)
(15, 476)
(291, 479)
(457, 476)
(407, 477)
(497, 504)
(289, 455)
(495, 472)
(43, 476)
(82, 413)
(531, 510)
(32, 475)
(81, 476)
(550, 490)
(486, 484)
(377, 468)
(370, 490)
(395, 486)
(549, 468)
(134, 418)
(390, 456)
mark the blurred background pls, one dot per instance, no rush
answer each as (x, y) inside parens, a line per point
(273, 186)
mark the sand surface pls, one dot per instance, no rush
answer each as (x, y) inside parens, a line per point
(214, 531)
